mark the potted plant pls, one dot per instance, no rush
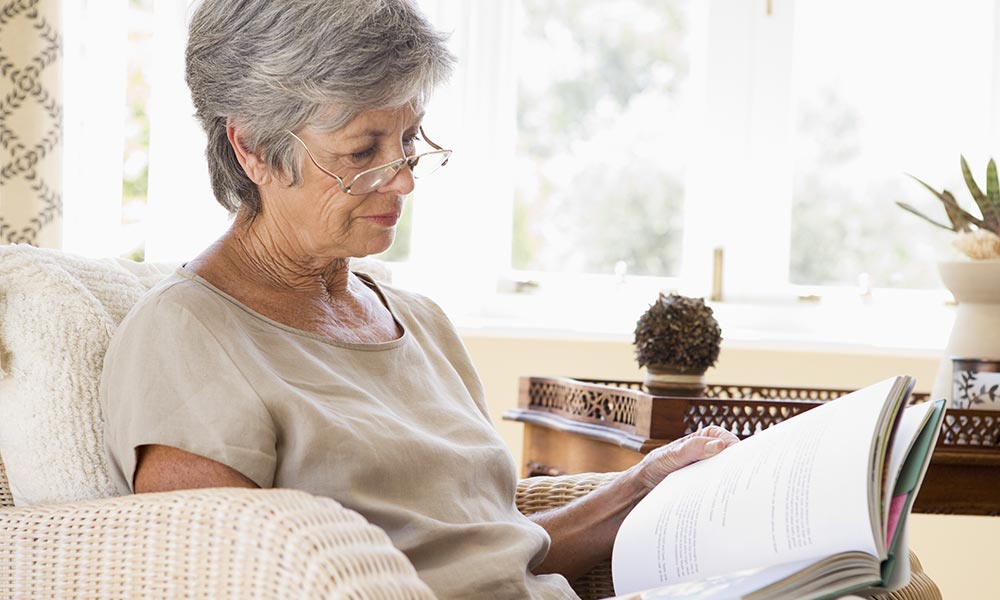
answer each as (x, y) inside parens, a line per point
(677, 340)
(975, 283)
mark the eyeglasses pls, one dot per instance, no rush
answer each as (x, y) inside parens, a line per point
(421, 165)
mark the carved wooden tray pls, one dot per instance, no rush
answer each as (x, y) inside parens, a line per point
(622, 412)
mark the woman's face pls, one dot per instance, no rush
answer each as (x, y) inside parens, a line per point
(324, 220)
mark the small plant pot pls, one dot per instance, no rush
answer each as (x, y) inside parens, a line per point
(671, 381)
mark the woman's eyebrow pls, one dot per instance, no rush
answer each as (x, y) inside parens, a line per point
(369, 133)
(377, 133)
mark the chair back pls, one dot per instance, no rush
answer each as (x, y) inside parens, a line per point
(57, 315)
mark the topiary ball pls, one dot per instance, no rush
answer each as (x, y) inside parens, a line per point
(679, 332)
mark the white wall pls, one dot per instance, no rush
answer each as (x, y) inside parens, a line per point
(960, 553)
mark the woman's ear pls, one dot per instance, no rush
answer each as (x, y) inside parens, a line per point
(252, 164)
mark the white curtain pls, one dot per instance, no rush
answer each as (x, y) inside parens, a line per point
(463, 216)
(95, 41)
(182, 216)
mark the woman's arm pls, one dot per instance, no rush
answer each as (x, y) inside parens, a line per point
(165, 469)
(583, 532)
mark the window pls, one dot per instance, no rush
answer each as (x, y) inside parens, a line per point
(894, 97)
(601, 136)
(785, 139)
(603, 150)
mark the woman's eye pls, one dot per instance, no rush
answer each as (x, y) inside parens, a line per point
(364, 154)
(410, 142)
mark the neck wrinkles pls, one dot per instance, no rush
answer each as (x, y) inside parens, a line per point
(268, 252)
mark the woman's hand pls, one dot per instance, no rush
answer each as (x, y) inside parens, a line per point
(583, 532)
(702, 444)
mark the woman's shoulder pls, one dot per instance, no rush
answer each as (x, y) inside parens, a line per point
(407, 301)
(175, 300)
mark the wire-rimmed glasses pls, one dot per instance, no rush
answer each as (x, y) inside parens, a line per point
(421, 165)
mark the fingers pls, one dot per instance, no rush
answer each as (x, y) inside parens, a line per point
(702, 444)
(685, 451)
(714, 431)
(698, 447)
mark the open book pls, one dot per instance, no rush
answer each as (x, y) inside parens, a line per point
(813, 507)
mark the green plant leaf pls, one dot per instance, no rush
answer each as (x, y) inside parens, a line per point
(960, 218)
(991, 212)
(970, 181)
(909, 208)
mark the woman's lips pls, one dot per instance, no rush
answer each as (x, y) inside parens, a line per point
(386, 220)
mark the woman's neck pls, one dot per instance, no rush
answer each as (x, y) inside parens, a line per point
(274, 275)
(272, 257)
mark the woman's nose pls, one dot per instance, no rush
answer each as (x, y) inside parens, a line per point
(402, 183)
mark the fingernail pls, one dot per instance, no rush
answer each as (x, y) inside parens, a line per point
(714, 446)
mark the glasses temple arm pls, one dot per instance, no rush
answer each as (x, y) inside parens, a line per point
(428, 140)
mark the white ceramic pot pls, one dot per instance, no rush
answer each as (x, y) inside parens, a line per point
(976, 333)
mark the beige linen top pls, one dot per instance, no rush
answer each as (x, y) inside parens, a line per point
(397, 431)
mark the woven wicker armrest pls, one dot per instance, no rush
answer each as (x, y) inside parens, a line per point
(536, 494)
(217, 543)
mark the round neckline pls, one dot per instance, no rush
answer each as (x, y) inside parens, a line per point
(190, 275)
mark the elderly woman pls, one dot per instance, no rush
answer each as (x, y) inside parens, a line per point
(266, 362)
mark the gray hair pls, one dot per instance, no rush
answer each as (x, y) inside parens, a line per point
(274, 65)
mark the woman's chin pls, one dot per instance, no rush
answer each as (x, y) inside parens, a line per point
(378, 246)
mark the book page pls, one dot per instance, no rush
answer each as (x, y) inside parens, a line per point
(805, 578)
(732, 585)
(796, 491)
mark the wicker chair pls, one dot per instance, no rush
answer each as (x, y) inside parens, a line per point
(236, 543)
(208, 543)
(221, 543)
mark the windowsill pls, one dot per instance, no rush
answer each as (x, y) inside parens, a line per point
(886, 327)
(596, 308)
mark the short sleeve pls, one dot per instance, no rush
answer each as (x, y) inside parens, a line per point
(169, 380)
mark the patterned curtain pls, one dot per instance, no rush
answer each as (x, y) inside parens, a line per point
(30, 123)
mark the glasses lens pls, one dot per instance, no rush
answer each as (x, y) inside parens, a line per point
(422, 166)
(430, 162)
(374, 179)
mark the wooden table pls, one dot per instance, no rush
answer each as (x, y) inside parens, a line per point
(578, 426)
